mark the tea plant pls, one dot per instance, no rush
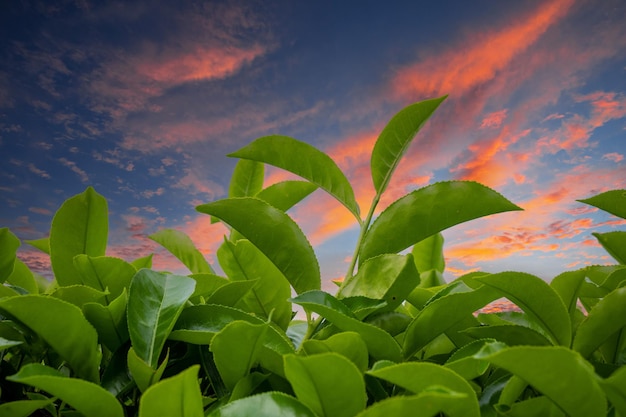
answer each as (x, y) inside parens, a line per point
(114, 338)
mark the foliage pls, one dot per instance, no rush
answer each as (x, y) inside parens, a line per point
(114, 338)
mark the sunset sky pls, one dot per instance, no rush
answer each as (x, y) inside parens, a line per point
(143, 100)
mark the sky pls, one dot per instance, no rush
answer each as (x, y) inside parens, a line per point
(144, 100)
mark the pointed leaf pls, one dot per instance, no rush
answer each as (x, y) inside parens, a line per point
(465, 364)
(327, 383)
(23, 408)
(86, 397)
(418, 377)
(395, 139)
(23, 277)
(80, 226)
(558, 373)
(42, 244)
(62, 326)
(427, 404)
(232, 293)
(275, 234)
(613, 202)
(110, 321)
(143, 262)
(236, 349)
(537, 299)
(614, 243)
(428, 254)
(304, 160)
(348, 344)
(388, 277)
(605, 319)
(79, 295)
(8, 251)
(286, 194)
(105, 273)
(268, 404)
(511, 334)
(182, 247)
(155, 301)
(380, 344)
(143, 374)
(247, 179)
(567, 285)
(615, 388)
(178, 396)
(427, 211)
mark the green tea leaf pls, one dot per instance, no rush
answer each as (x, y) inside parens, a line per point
(613, 202)
(6, 343)
(80, 226)
(286, 194)
(427, 404)
(42, 244)
(23, 408)
(348, 344)
(567, 285)
(533, 407)
(327, 383)
(110, 321)
(395, 139)
(242, 261)
(464, 363)
(88, 398)
(558, 373)
(605, 319)
(429, 260)
(537, 299)
(155, 301)
(207, 284)
(275, 234)
(614, 243)
(105, 273)
(511, 334)
(236, 349)
(178, 396)
(615, 389)
(79, 295)
(143, 262)
(304, 160)
(182, 247)
(232, 293)
(380, 344)
(268, 404)
(427, 211)
(388, 277)
(247, 179)
(8, 252)
(418, 377)
(62, 326)
(143, 374)
(442, 314)
(23, 277)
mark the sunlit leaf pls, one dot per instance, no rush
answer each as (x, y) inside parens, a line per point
(511, 334)
(143, 262)
(427, 211)
(109, 321)
(42, 244)
(63, 326)
(465, 364)
(268, 404)
(8, 250)
(155, 301)
(429, 260)
(286, 194)
(105, 273)
(275, 234)
(428, 403)
(143, 373)
(395, 139)
(23, 277)
(177, 396)
(613, 202)
(247, 179)
(304, 160)
(614, 243)
(23, 408)
(182, 247)
(348, 344)
(86, 397)
(328, 383)
(79, 295)
(80, 226)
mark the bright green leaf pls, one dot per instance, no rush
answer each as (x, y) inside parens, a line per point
(328, 383)
(613, 202)
(6, 343)
(178, 396)
(143, 374)
(105, 273)
(537, 299)
(143, 262)
(275, 234)
(615, 389)
(63, 326)
(42, 244)
(395, 139)
(155, 301)
(348, 344)
(465, 364)
(23, 277)
(247, 179)
(304, 160)
(268, 404)
(232, 293)
(79, 295)
(80, 226)
(23, 408)
(511, 334)
(86, 397)
(429, 260)
(558, 373)
(182, 247)
(8, 250)
(286, 194)
(614, 243)
(109, 321)
(426, 404)
(427, 211)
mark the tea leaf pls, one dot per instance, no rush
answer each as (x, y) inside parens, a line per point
(63, 326)
(537, 299)
(275, 234)
(86, 397)
(143, 374)
(182, 247)
(42, 244)
(110, 321)
(8, 251)
(247, 179)
(348, 344)
(511, 334)
(286, 194)
(429, 260)
(155, 300)
(558, 373)
(427, 211)
(615, 388)
(395, 139)
(327, 383)
(429, 403)
(268, 404)
(23, 408)
(304, 160)
(105, 273)
(613, 202)
(80, 226)
(78, 295)
(177, 396)
(143, 262)
(614, 243)
(23, 277)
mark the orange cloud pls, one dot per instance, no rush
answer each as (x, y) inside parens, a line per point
(613, 156)
(494, 119)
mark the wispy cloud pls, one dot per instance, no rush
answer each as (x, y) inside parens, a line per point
(40, 172)
(613, 156)
(72, 165)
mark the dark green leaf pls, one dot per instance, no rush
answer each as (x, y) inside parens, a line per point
(23, 408)
(63, 326)
(86, 397)
(23, 277)
(427, 211)
(511, 334)
(327, 383)
(304, 160)
(80, 226)
(275, 234)
(268, 404)
(182, 247)
(8, 250)
(178, 396)
(395, 139)
(286, 194)
(614, 243)
(155, 301)
(615, 389)
(613, 202)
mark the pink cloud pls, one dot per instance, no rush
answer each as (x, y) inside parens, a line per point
(613, 156)
(72, 166)
(40, 210)
(494, 119)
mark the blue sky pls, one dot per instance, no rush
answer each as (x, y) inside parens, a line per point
(143, 100)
